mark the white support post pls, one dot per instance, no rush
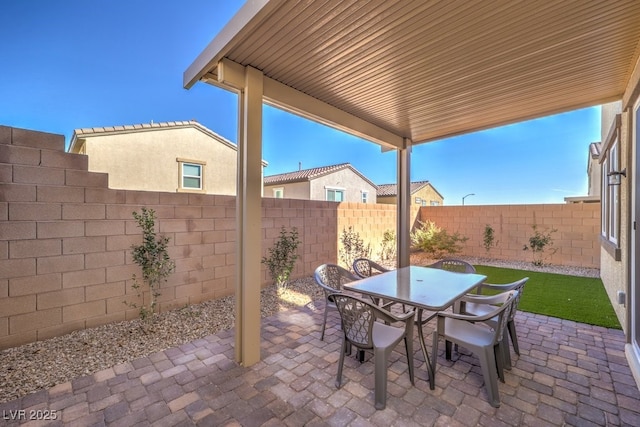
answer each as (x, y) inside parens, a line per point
(404, 205)
(249, 219)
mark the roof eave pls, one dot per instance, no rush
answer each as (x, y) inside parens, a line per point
(243, 22)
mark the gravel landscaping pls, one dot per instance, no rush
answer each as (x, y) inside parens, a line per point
(43, 364)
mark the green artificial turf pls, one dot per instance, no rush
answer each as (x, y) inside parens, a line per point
(581, 299)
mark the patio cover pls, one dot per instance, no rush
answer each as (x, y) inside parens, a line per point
(404, 72)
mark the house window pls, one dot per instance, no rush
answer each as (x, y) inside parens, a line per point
(335, 195)
(278, 193)
(418, 201)
(365, 197)
(191, 175)
(435, 203)
(610, 194)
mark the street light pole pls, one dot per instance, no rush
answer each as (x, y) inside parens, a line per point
(470, 194)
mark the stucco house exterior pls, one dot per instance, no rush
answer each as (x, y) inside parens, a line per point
(334, 183)
(180, 156)
(423, 193)
(594, 175)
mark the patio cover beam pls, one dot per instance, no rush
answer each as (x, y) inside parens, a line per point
(230, 74)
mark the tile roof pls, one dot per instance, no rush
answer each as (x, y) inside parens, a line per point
(309, 174)
(388, 190)
(178, 124)
(141, 126)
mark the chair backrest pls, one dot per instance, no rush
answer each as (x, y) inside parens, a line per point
(331, 277)
(452, 264)
(500, 315)
(364, 267)
(357, 319)
(515, 286)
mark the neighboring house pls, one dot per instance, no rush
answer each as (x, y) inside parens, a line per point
(335, 183)
(182, 156)
(593, 174)
(423, 193)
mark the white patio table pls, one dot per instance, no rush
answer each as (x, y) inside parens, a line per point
(424, 288)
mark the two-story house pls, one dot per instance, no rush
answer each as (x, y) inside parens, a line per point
(181, 156)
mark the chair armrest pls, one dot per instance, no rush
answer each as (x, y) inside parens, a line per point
(387, 316)
(470, 317)
(503, 287)
(482, 299)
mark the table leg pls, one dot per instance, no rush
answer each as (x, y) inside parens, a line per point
(427, 360)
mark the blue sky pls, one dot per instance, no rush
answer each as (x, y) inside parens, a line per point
(72, 64)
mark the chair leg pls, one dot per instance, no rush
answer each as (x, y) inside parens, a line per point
(506, 351)
(324, 323)
(489, 372)
(498, 359)
(514, 337)
(343, 350)
(447, 350)
(380, 356)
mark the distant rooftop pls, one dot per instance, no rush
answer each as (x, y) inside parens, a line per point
(391, 190)
(309, 174)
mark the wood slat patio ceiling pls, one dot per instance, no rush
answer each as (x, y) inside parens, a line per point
(431, 69)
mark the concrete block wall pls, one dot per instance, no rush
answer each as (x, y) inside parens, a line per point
(370, 221)
(577, 237)
(65, 238)
(65, 241)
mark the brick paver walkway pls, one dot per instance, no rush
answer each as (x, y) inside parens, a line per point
(567, 374)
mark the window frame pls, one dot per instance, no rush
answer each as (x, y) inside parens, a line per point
(364, 197)
(279, 190)
(610, 200)
(181, 175)
(334, 190)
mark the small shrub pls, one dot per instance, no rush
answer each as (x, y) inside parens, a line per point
(282, 257)
(433, 240)
(488, 240)
(153, 258)
(541, 245)
(353, 247)
(388, 247)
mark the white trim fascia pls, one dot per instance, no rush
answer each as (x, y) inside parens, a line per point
(243, 22)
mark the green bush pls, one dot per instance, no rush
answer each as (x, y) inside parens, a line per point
(488, 240)
(153, 258)
(282, 257)
(433, 240)
(541, 245)
(353, 247)
(388, 247)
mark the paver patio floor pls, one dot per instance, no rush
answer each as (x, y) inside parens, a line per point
(567, 374)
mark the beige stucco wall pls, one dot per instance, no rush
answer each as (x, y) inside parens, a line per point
(426, 193)
(614, 273)
(295, 190)
(347, 180)
(594, 174)
(146, 159)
